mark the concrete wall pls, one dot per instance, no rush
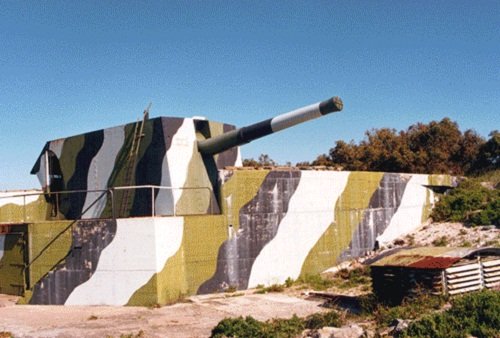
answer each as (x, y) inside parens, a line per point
(273, 225)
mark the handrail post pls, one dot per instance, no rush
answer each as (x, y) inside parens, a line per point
(153, 201)
(173, 202)
(58, 207)
(111, 190)
(24, 208)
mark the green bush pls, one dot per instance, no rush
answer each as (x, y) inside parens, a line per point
(252, 328)
(410, 308)
(279, 328)
(322, 319)
(470, 203)
(476, 314)
(238, 327)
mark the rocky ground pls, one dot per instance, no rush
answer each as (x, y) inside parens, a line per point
(451, 235)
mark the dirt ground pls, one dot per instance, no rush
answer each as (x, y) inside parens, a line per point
(194, 318)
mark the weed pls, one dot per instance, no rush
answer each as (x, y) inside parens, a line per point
(139, 334)
(411, 239)
(92, 317)
(236, 294)
(6, 334)
(441, 241)
(353, 278)
(231, 289)
(316, 282)
(399, 241)
(289, 282)
(493, 243)
(271, 288)
(466, 244)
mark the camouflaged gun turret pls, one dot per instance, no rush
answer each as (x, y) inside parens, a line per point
(157, 166)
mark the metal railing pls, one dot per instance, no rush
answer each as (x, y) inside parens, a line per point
(67, 199)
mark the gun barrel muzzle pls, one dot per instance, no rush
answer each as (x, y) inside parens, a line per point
(252, 132)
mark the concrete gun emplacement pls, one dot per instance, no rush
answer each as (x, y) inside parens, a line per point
(254, 131)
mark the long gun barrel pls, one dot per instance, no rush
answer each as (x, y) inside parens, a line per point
(252, 132)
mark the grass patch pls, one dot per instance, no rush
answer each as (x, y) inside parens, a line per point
(348, 279)
(270, 288)
(316, 282)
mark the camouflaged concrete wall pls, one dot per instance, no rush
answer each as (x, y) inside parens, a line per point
(273, 225)
(12, 259)
(22, 206)
(167, 157)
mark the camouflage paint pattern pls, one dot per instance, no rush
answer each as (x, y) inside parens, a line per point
(12, 258)
(273, 224)
(202, 229)
(165, 155)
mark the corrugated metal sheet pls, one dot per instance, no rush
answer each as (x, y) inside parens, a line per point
(429, 257)
(402, 272)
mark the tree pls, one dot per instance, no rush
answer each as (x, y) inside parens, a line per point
(488, 157)
(437, 147)
(263, 161)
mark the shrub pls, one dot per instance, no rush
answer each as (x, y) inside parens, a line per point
(441, 241)
(322, 319)
(283, 327)
(476, 314)
(238, 327)
(250, 327)
(470, 203)
(410, 308)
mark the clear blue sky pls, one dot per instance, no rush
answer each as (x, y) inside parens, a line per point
(68, 67)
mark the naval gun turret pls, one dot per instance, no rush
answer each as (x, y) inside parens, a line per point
(159, 166)
(254, 131)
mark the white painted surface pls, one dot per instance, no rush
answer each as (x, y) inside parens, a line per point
(16, 197)
(176, 164)
(239, 162)
(101, 168)
(408, 217)
(311, 210)
(294, 117)
(140, 249)
(56, 147)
